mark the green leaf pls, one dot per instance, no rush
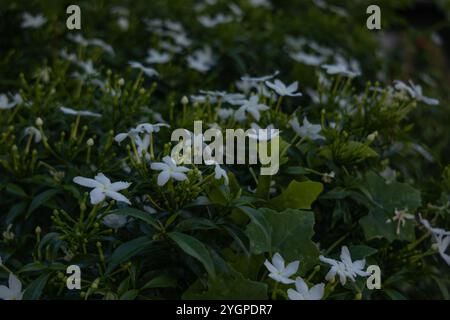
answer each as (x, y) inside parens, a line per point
(138, 214)
(129, 295)
(261, 227)
(228, 287)
(194, 248)
(16, 190)
(35, 288)
(41, 199)
(298, 195)
(163, 281)
(290, 235)
(383, 200)
(127, 250)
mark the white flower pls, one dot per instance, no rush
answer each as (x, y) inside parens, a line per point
(201, 60)
(169, 169)
(13, 291)
(123, 23)
(415, 91)
(157, 57)
(251, 106)
(401, 216)
(341, 69)
(149, 72)
(150, 128)
(211, 22)
(170, 47)
(114, 221)
(225, 113)
(88, 67)
(261, 3)
(442, 243)
(73, 112)
(307, 130)
(281, 89)
(261, 134)
(78, 38)
(103, 188)
(260, 79)
(279, 272)
(308, 59)
(219, 173)
(32, 131)
(6, 104)
(303, 293)
(29, 21)
(434, 231)
(344, 268)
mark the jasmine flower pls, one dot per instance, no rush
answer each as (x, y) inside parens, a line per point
(303, 293)
(401, 216)
(201, 60)
(415, 91)
(32, 131)
(340, 69)
(6, 104)
(13, 291)
(157, 57)
(279, 272)
(307, 130)
(211, 22)
(263, 134)
(251, 106)
(169, 169)
(149, 72)
(102, 188)
(308, 59)
(281, 89)
(30, 21)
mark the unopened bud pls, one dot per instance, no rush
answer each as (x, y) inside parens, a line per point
(39, 122)
(90, 142)
(184, 100)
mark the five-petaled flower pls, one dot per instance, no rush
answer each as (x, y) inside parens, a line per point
(302, 292)
(279, 272)
(281, 89)
(103, 188)
(13, 291)
(307, 130)
(169, 169)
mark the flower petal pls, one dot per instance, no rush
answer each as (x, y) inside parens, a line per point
(97, 196)
(86, 182)
(163, 177)
(117, 196)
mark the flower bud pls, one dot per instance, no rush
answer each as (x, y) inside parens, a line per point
(38, 230)
(121, 82)
(39, 122)
(372, 136)
(184, 100)
(90, 142)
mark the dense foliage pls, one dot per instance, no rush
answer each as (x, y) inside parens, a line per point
(364, 157)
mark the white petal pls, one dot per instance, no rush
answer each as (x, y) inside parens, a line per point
(294, 295)
(5, 293)
(179, 176)
(316, 292)
(117, 196)
(163, 177)
(120, 185)
(270, 267)
(102, 179)
(86, 182)
(301, 286)
(97, 196)
(291, 268)
(14, 284)
(159, 166)
(278, 261)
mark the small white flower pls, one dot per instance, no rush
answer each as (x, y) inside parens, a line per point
(30, 21)
(303, 293)
(261, 3)
(434, 231)
(279, 272)
(225, 113)
(260, 79)
(211, 22)
(308, 59)
(261, 134)
(201, 60)
(281, 89)
(220, 173)
(156, 57)
(5, 104)
(415, 91)
(345, 268)
(401, 216)
(341, 69)
(169, 169)
(32, 131)
(102, 188)
(307, 130)
(251, 106)
(443, 243)
(74, 112)
(13, 291)
(123, 23)
(114, 221)
(149, 72)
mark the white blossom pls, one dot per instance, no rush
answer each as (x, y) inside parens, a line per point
(307, 130)
(415, 91)
(74, 112)
(201, 60)
(279, 272)
(102, 188)
(32, 131)
(30, 21)
(13, 291)
(400, 216)
(114, 221)
(251, 106)
(149, 72)
(281, 89)
(302, 292)
(156, 57)
(169, 169)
